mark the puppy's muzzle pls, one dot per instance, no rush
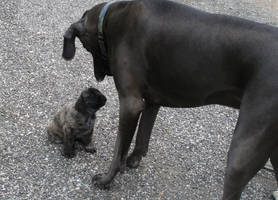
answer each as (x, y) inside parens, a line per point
(102, 100)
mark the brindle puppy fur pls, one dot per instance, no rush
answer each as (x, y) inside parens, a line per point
(75, 122)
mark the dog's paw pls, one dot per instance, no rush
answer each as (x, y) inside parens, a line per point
(133, 161)
(101, 182)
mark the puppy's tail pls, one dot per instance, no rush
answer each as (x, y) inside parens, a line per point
(74, 30)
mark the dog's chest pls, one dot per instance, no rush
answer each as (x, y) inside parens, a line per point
(84, 124)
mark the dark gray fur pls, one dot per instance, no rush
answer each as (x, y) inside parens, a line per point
(162, 53)
(75, 123)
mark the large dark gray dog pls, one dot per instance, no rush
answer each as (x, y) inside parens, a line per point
(162, 53)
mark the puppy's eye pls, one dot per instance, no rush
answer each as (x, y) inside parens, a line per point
(86, 95)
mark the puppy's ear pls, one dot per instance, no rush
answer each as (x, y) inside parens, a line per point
(80, 104)
(74, 30)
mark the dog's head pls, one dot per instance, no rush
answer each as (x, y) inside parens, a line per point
(90, 101)
(86, 30)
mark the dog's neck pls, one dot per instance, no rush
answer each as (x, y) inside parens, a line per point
(100, 33)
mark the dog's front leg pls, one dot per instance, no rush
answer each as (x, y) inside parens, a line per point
(130, 109)
(143, 135)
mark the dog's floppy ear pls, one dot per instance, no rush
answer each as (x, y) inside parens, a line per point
(69, 44)
(74, 30)
(99, 68)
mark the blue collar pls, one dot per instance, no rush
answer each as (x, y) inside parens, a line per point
(100, 34)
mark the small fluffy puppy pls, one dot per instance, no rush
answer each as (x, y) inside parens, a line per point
(75, 122)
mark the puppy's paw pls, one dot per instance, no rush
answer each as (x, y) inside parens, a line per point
(133, 161)
(69, 155)
(91, 150)
(53, 138)
(101, 182)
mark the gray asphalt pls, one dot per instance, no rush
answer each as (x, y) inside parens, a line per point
(188, 146)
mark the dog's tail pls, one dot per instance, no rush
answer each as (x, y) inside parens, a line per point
(74, 30)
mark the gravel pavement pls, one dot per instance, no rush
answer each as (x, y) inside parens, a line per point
(188, 147)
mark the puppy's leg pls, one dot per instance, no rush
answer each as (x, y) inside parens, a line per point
(250, 148)
(54, 138)
(68, 141)
(143, 135)
(90, 148)
(130, 109)
(87, 144)
(274, 162)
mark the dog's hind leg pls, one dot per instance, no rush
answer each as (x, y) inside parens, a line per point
(143, 135)
(252, 142)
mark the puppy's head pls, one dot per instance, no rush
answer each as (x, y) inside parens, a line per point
(90, 101)
(86, 30)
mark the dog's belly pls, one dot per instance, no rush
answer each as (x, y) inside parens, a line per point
(171, 97)
(198, 60)
(185, 80)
